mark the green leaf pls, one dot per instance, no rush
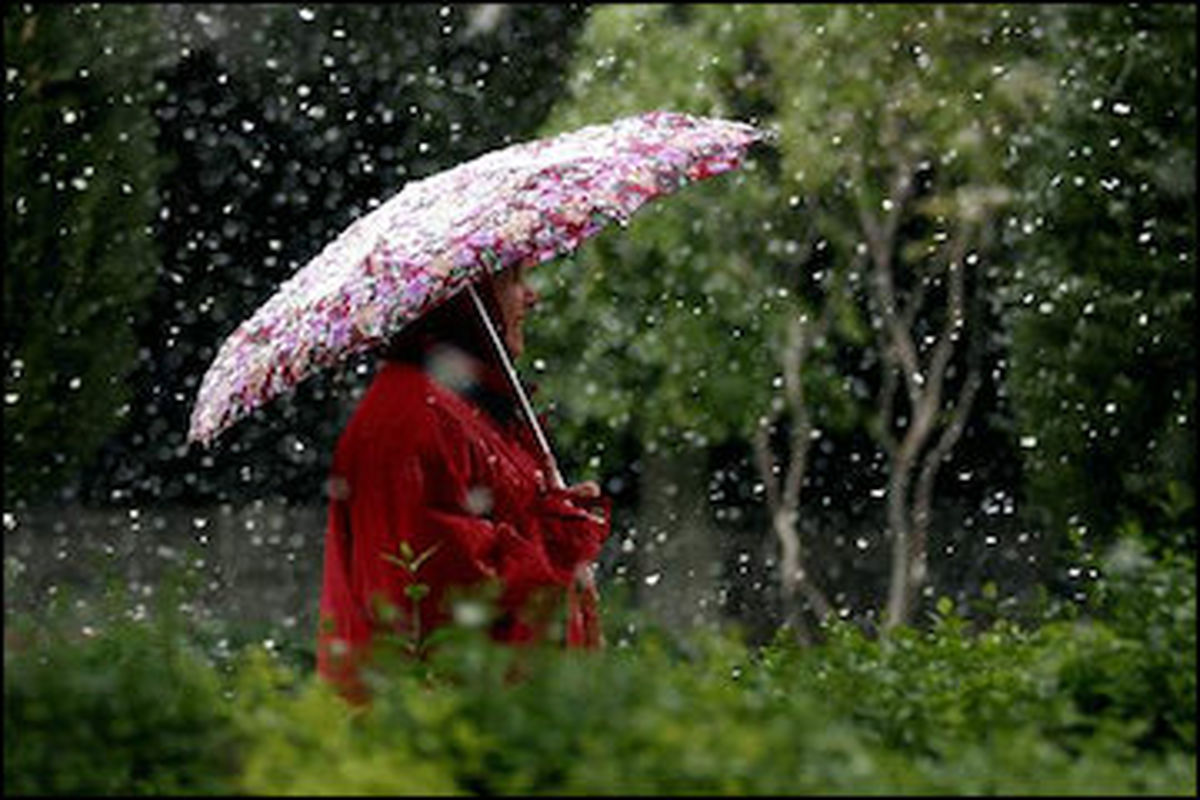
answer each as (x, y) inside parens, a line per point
(421, 559)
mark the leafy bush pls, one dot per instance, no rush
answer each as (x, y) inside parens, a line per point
(1128, 670)
(307, 740)
(1076, 706)
(132, 709)
(944, 711)
(1151, 606)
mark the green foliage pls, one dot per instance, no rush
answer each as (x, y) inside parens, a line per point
(1068, 707)
(1120, 679)
(126, 709)
(660, 330)
(671, 330)
(80, 172)
(307, 740)
(1151, 606)
(1101, 312)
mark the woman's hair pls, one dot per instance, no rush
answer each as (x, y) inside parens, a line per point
(455, 325)
(453, 322)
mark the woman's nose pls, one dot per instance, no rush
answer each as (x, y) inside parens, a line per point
(532, 298)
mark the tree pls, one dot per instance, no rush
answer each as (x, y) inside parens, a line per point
(80, 181)
(839, 283)
(1101, 314)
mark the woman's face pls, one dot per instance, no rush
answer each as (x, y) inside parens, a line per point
(515, 298)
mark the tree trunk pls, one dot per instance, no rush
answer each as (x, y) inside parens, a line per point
(784, 486)
(923, 378)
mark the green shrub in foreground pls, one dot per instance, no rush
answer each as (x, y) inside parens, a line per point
(1125, 673)
(130, 710)
(709, 717)
(1064, 708)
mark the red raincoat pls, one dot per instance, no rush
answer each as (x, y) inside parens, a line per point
(421, 464)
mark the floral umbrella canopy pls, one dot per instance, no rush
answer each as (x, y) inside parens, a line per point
(526, 203)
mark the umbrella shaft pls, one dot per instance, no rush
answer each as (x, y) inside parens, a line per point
(518, 389)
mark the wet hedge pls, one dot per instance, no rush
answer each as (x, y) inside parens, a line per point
(1093, 700)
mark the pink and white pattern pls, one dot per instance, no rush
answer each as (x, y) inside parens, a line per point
(526, 203)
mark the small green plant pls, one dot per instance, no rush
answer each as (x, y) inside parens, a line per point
(410, 563)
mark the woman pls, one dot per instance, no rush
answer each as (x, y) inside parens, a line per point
(437, 482)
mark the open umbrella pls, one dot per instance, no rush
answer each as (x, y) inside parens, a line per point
(526, 203)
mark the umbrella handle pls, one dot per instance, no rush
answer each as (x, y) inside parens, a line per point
(519, 390)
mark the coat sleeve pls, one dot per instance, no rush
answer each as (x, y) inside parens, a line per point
(573, 530)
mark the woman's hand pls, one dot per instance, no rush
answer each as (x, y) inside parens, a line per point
(583, 494)
(588, 490)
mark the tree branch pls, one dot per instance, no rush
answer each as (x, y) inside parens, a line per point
(943, 349)
(766, 461)
(923, 496)
(881, 243)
